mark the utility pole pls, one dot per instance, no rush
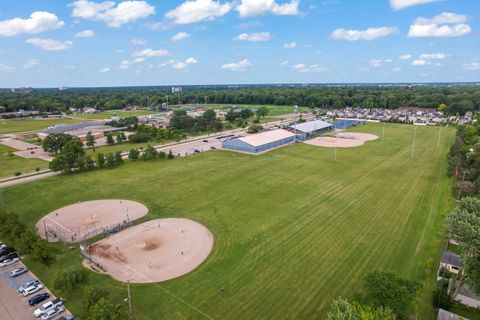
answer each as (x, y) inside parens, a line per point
(129, 300)
(295, 108)
(414, 137)
(167, 100)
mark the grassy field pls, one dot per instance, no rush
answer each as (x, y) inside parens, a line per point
(119, 113)
(274, 110)
(293, 229)
(24, 125)
(10, 165)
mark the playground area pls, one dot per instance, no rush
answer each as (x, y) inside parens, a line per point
(153, 251)
(342, 140)
(84, 220)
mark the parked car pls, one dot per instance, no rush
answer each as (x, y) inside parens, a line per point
(48, 306)
(50, 314)
(17, 272)
(27, 284)
(2, 246)
(36, 299)
(205, 140)
(196, 151)
(32, 289)
(66, 318)
(9, 255)
(6, 250)
(8, 262)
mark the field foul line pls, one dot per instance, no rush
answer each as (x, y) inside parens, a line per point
(168, 292)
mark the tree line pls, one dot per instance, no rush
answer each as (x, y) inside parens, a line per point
(458, 99)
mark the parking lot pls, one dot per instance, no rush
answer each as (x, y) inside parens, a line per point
(13, 305)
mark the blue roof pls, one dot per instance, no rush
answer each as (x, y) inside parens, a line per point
(311, 126)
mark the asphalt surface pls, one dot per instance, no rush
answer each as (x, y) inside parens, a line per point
(13, 305)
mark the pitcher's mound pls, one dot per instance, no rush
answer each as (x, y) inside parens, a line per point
(153, 251)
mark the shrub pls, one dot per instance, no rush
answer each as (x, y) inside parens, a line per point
(71, 278)
(17, 173)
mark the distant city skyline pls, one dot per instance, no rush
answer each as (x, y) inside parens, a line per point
(146, 43)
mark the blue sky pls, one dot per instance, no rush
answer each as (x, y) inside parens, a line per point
(53, 43)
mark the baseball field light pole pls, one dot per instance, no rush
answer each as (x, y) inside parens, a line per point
(129, 298)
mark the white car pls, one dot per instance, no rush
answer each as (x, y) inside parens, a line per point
(50, 314)
(47, 306)
(32, 289)
(2, 246)
(8, 262)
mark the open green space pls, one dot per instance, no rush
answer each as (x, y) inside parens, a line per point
(274, 109)
(293, 229)
(111, 113)
(24, 125)
(11, 164)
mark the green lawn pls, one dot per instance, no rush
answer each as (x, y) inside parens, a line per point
(119, 113)
(10, 165)
(274, 110)
(293, 229)
(23, 125)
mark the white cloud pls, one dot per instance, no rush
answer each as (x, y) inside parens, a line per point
(254, 37)
(138, 42)
(192, 11)
(284, 63)
(6, 68)
(397, 69)
(181, 36)
(290, 45)
(433, 56)
(178, 64)
(446, 24)
(251, 8)
(191, 60)
(113, 15)
(104, 70)
(250, 24)
(29, 64)
(405, 57)
(402, 4)
(471, 66)
(50, 44)
(148, 53)
(376, 63)
(368, 34)
(312, 68)
(419, 62)
(85, 34)
(39, 21)
(237, 66)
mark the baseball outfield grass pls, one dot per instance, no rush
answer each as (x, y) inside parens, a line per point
(293, 229)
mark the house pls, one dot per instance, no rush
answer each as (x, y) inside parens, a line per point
(451, 262)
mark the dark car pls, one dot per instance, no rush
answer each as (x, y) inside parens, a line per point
(205, 140)
(38, 298)
(8, 256)
(6, 251)
(196, 151)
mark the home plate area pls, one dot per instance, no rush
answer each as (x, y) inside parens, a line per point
(153, 251)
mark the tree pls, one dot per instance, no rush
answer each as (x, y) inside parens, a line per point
(118, 158)
(262, 112)
(170, 155)
(100, 160)
(383, 289)
(343, 310)
(110, 140)
(42, 251)
(463, 225)
(89, 162)
(133, 154)
(254, 128)
(104, 310)
(55, 142)
(121, 137)
(110, 160)
(91, 141)
(69, 158)
(93, 294)
(246, 113)
(231, 116)
(71, 278)
(149, 153)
